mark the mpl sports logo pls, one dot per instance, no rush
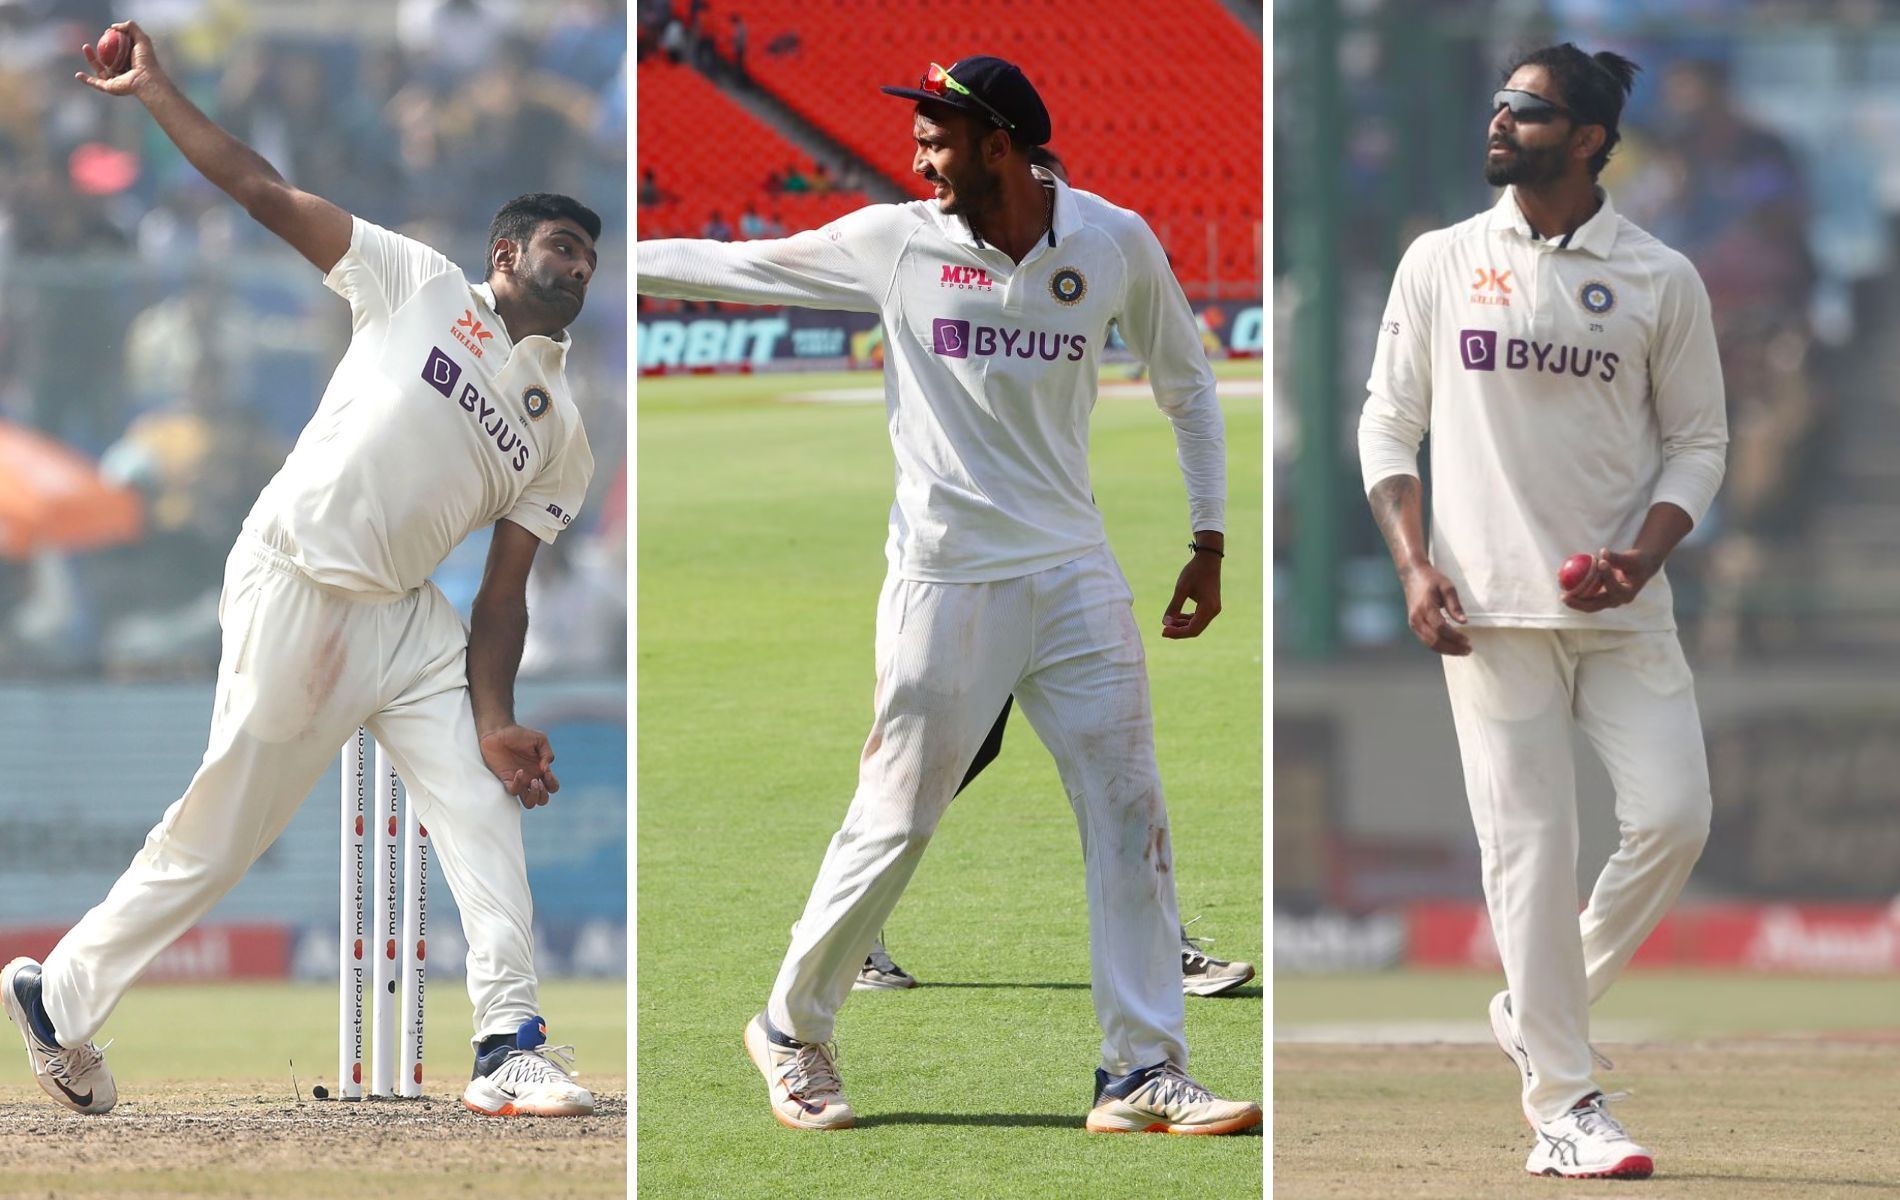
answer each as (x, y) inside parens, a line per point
(966, 279)
(961, 339)
(442, 373)
(1478, 348)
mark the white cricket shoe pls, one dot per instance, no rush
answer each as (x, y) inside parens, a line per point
(77, 1078)
(527, 1079)
(800, 1077)
(1204, 975)
(1587, 1143)
(1164, 1099)
(880, 974)
(1504, 1029)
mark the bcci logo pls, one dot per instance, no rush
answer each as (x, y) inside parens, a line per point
(536, 401)
(1597, 297)
(1068, 286)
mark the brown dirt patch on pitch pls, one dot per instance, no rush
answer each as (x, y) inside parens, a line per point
(241, 1140)
(1740, 1119)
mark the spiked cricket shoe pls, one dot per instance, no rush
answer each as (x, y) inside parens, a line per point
(1588, 1143)
(1164, 1099)
(880, 974)
(801, 1078)
(77, 1078)
(527, 1079)
(1204, 975)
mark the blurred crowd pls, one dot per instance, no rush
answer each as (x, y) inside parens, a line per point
(149, 327)
(1744, 147)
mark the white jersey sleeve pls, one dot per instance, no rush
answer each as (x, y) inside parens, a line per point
(551, 502)
(1398, 407)
(381, 270)
(848, 265)
(1685, 372)
(1159, 327)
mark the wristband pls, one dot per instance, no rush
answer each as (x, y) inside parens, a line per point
(1200, 549)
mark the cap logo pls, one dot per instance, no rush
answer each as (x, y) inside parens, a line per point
(1068, 286)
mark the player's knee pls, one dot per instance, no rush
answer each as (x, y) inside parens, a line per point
(1679, 829)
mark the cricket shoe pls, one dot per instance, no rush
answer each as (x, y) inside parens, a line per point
(77, 1078)
(1504, 1029)
(801, 1078)
(880, 974)
(1204, 975)
(528, 1078)
(1164, 1099)
(1587, 1143)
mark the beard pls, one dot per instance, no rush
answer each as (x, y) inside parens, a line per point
(554, 296)
(1524, 168)
(971, 196)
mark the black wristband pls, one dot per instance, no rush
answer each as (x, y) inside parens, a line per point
(1200, 549)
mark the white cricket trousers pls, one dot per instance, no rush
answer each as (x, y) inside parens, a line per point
(1064, 641)
(1515, 700)
(302, 666)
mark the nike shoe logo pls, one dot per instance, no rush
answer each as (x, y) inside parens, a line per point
(75, 1097)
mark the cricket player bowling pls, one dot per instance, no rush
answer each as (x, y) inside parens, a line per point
(449, 412)
(996, 296)
(1564, 363)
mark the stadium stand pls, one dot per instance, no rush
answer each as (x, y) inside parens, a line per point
(1158, 110)
(701, 144)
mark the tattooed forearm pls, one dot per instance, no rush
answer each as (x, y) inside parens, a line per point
(1398, 508)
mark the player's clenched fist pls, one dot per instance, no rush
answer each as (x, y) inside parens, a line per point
(524, 762)
(1431, 605)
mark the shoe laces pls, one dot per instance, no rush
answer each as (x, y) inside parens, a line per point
(1170, 1085)
(1595, 1120)
(68, 1066)
(812, 1072)
(1191, 947)
(539, 1065)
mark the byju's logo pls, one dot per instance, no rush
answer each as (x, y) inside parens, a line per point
(441, 371)
(950, 338)
(1479, 348)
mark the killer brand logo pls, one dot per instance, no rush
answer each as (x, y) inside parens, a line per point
(471, 332)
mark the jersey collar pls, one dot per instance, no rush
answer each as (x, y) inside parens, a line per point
(1596, 236)
(554, 356)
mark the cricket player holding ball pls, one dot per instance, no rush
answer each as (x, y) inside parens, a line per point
(1564, 364)
(450, 411)
(996, 297)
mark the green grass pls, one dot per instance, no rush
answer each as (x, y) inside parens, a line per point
(248, 1034)
(761, 526)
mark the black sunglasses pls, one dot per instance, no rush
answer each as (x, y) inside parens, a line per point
(1527, 108)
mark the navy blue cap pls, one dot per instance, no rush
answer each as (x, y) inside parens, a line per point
(999, 93)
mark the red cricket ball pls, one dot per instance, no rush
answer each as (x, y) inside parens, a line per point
(114, 51)
(1572, 573)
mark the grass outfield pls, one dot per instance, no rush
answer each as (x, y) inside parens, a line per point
(1744, 1087)
(207, 1107)
(760, 541)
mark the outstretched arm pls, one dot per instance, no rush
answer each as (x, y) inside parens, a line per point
(314, 227)
(498, 627)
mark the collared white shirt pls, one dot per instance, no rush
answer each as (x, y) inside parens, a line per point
(1568, 386)
(989, 366)
(434, 425)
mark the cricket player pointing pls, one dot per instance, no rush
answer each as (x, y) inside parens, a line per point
(1564, 364)
(449, 412)
(995, 299)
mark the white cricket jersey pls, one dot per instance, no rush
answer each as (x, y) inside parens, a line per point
(989, 366)
(434, 425)
(1568, 385)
